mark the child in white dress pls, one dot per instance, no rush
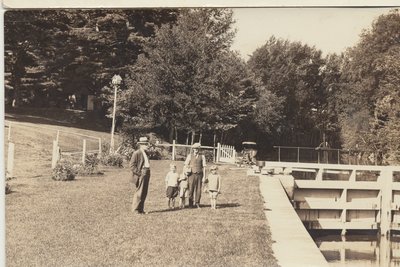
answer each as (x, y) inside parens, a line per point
(214, 186)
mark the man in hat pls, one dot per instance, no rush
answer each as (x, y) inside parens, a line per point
(197, 163)
(140, 166)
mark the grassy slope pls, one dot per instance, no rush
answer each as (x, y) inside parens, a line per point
(33, 139)
(87, 222)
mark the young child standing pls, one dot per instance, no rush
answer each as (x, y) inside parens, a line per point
(214, 186)
(171, 184)
(183, 187)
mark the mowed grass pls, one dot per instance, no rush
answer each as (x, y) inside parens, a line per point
(88, 222)
(33, 144)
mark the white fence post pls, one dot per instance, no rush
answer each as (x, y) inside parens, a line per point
(83, 151)
(218, 151)
(99, 148)
(386, 180)
(55, 155)
(10, 160)
(214, 156)
(173, 150)
(9, 132)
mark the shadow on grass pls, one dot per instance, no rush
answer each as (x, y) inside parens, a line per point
(167, 210)
(227, 205)
(84, 120)
(219, 206)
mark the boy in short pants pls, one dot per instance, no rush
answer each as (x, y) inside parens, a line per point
(171, 184)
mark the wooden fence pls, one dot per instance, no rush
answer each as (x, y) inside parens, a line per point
(74, 150)
(221, 153)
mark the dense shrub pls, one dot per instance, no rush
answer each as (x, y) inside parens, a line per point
(91, 163)
(105, 148)
(127, 148)
(113, 159)
(64, 171)
(90, 167)
(155, 153)
(209, 154)
(8, 189)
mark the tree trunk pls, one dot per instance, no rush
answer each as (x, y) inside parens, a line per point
(187, 142)
(193, 135)
(200, 137)
(15, 102)
(171, 134)
(176, 135)
(215, 138)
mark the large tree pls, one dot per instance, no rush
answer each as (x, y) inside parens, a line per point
(293, 72)
(369, 99)
(74, 51)
(188, 79)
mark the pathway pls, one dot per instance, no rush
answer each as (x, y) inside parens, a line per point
(292, 245)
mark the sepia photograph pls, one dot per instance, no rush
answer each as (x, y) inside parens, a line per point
(202, 136)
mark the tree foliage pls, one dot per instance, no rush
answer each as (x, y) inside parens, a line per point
(370, 90)
(293, 72)
(52, 53)
(188, 78)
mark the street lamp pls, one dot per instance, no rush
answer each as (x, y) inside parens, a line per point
(116, 81)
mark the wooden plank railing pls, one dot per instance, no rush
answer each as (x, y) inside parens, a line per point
(345, 197)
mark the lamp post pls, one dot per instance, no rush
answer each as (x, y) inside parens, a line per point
(116, 81)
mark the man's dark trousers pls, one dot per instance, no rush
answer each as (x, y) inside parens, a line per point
(195, 182)
(142, 187)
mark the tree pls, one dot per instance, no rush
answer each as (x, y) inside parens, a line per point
(74, 51)
(23, 37)
(291, 71)
(188, 79)
(370, 79)
(268, 112)
(326, 114)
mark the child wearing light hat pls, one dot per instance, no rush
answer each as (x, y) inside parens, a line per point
(214, 186)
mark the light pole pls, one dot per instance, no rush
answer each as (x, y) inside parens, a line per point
(116, 81)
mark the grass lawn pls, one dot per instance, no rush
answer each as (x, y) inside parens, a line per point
(33, 141)
(88, 222)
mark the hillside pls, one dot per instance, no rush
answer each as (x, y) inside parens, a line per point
(33, 137)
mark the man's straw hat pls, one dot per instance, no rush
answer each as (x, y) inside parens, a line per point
(143, 141)
(196, 145)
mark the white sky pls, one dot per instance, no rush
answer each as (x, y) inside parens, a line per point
(329, 29)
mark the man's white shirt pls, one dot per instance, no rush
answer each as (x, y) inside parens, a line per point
(146, 159)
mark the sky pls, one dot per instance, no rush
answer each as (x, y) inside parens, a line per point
(331, 30)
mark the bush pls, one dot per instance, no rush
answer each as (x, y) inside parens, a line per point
(65, 170)
(90, 167)
(105, 148)
(8, 189)
(155, 153)
(209, 154)
(91, 163)
(113, 159)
